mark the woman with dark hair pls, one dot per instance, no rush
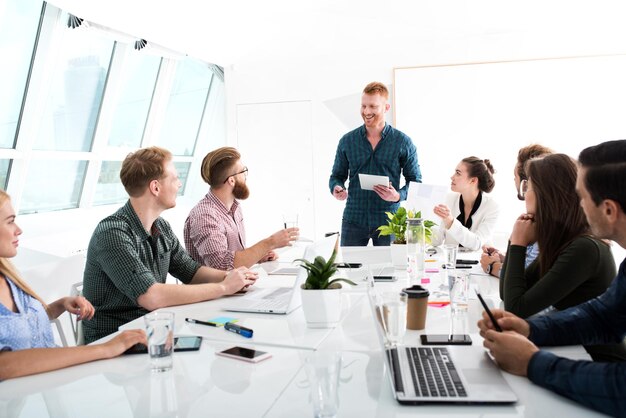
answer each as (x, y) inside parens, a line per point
(26, 342)
(572, 266)
(469, 215)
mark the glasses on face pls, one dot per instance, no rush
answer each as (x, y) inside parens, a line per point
(523, 188)
(244, 171)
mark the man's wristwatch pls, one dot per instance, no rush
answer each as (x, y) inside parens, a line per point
(490, 267)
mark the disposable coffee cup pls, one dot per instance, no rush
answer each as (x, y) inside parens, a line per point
(416, 307)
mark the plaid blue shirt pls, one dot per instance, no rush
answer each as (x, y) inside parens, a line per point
(601, 386)
(394, 154)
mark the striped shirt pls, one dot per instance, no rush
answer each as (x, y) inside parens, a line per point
(123, 262)
(214, 233)
(394, 154)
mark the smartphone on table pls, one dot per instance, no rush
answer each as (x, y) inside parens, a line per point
(348, 265)
(385, 278)
(187, 343)
(446, 339)
(246, 354)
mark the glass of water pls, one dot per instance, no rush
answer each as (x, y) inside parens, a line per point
(393, 315)
(160, 333)
(459, 292)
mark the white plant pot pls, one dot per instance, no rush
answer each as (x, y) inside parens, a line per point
(322, 308)
(398, 256)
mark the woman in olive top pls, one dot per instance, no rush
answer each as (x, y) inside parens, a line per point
(572, 266)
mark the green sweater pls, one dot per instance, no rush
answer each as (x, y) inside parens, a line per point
(582, 271)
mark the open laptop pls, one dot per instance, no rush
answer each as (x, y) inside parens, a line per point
(443, 374)
(282, 300)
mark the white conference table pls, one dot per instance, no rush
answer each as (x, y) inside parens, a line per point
(203, 384)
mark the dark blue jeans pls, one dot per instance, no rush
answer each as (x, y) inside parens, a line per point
(353, 235)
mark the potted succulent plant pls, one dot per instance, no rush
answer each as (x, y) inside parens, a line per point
(321, 293)
(396, 226)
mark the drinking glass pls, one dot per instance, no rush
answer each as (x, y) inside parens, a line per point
(160, 333)
(449, 265)
(322, 369)
(449, 255)
(290, 220)
(393, 316)
(459, 292)
(415, 246)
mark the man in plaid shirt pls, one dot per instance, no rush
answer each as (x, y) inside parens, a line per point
(214, 230)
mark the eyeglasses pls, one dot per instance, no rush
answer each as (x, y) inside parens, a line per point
(523, 188)
(244, 171)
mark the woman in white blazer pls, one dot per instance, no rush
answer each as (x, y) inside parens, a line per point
(469, 214)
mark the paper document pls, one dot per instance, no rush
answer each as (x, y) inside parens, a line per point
(424, 197)
(368, 181)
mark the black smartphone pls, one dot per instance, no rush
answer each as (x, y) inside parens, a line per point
(385, 278)
(190, 343)
(245, 354)
(461, 261)
(348, 265)
(493, 318)
(447, 339)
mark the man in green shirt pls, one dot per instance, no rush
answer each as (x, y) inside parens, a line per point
(132, 251)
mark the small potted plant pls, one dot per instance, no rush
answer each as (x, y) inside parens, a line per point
(396, 226)
(321, 294)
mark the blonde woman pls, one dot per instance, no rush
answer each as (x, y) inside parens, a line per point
(26, 341)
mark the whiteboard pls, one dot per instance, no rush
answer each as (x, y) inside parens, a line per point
(492, 109)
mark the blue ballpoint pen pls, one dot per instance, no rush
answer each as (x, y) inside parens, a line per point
(238, 329)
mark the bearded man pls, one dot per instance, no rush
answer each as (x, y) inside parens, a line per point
(214, 230)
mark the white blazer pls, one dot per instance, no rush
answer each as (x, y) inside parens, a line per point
(483, 224)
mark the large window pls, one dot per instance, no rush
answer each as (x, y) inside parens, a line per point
(109, 188)
(53, 185)
(18, 29)
(76, 98)
(185, 107)
(5, 167)
(183, 174)
(76, 92)
(136, 89)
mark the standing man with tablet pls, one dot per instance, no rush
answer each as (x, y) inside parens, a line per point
(374, 148)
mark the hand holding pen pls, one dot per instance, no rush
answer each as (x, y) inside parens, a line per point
(340, 193)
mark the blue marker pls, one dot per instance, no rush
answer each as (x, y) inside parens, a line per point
(238, 329)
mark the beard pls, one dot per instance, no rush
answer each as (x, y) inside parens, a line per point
(241, 191)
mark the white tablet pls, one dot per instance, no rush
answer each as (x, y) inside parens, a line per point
(368, 181)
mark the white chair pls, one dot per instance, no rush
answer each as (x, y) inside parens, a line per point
(59, 328)
(77, 326)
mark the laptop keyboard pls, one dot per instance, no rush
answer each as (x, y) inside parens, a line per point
(432, 372)
(278, 292)
(270, 304)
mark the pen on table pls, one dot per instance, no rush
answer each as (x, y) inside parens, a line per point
(458, 266)
(196, 321)
(238, 329)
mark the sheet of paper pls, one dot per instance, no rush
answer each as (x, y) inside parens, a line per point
(424, 197)
(368, 181)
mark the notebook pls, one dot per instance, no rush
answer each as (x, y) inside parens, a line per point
(443, 374)
(282, 300)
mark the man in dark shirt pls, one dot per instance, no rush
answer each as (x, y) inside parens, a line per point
(373, 148)
(132, 251)
(601, 185)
